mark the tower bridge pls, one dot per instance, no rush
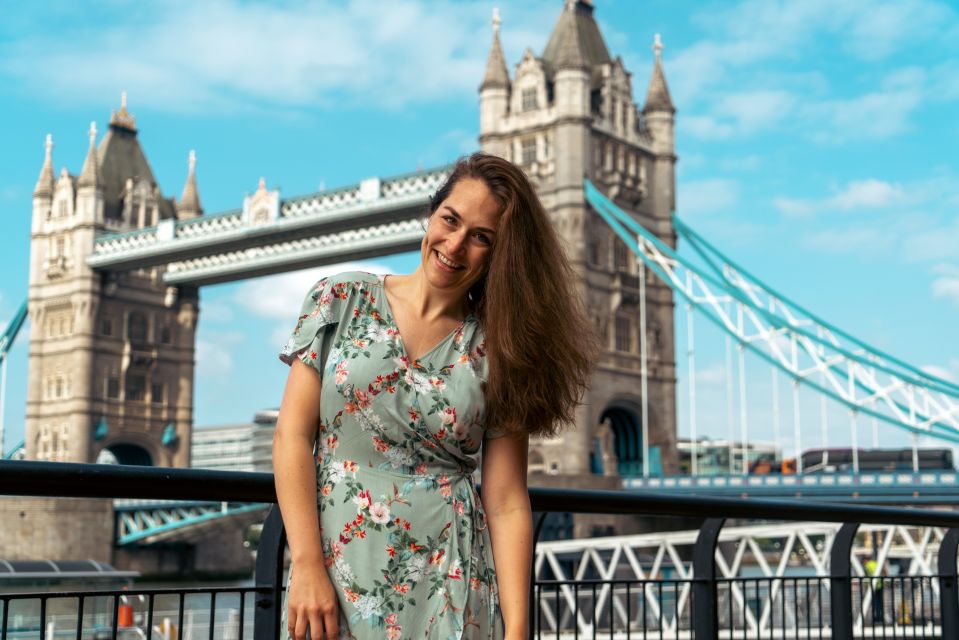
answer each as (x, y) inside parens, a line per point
(117, 266)
(116, 270)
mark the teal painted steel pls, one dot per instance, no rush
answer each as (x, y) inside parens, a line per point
(618, 220)
(12, 330)
(20, 445)
(710, 254)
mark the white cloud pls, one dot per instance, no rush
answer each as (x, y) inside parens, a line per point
(870, 193)
(863, 194)
(946, 283)
(707, 196)
(280, 297)
(875, 115)
(948, 373)
(214, 354)
(226, 54)
(860, 239)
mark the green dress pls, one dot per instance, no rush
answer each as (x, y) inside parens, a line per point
(403, 530)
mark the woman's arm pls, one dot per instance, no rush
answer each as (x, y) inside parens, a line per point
(313, 602)
(506, 501)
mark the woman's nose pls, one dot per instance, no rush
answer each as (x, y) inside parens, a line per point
(454, 242)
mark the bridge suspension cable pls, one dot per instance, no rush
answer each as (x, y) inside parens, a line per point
(809, 350)
(6, 342)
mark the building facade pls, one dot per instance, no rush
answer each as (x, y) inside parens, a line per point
(111, 356)
(236, 447)
(564, 115)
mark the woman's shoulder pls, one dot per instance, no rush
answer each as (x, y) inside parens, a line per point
(350, 278)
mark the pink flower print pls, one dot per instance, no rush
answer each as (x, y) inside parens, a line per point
(325, 299)
(362, 500)
(449, 415)
(459, 507)
(414, 415)
(456, 571)
(326, 489)
(421, 468)
(359, 343)
(331, 442)
(445, 489)
(438, 557)
(351, 466)
(439, 383)
(380, 445)
(394, 631)
(401, 588)
(363, 399)
(379, 513)
(475, 583)
(391, 619)
(341, 372)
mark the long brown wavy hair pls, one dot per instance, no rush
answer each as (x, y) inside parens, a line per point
(540, 344)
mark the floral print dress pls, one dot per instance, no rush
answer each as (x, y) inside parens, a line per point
(403, 530)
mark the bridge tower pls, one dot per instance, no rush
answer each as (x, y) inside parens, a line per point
(111, 355)
(563, 115)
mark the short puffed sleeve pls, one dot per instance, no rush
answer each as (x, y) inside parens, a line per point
(316, 325)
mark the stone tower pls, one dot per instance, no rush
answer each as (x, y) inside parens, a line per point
(111, 356)
(563, 115)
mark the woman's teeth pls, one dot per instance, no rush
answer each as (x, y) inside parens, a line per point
(448, 263)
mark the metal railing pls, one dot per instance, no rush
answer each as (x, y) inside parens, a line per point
(704, 604)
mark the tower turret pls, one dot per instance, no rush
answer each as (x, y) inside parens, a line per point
(43, 191)
(90, 174)
(189, 205)
(659, 114)
(495, 88)
(659, 110)
(45, 182)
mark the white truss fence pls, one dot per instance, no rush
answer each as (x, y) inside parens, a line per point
(772, 579)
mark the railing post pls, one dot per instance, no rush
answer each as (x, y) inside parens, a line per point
(840, 577)
(269, 576)
(705, 611)
(533, 601)
(949, 584)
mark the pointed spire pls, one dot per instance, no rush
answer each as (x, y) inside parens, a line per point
(497, 76)
(123, 119)
(657, 96)
(90, 174)
(189, 205)
(576, 42)
(46, 181)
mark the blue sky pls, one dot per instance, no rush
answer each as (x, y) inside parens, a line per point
(813, 139)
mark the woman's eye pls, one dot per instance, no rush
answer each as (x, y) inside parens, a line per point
(483, 239)
(450, 220)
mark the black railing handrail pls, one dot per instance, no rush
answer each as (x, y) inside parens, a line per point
(74, 480)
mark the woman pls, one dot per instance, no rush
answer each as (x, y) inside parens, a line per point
(396, 386)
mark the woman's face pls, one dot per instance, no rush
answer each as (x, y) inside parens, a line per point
(460, 237)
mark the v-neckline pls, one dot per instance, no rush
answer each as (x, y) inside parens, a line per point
(399, 334)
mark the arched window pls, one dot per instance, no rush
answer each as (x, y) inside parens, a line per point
(137, 327)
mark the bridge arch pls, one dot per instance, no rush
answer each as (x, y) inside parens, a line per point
(127, 453)
(625, 423)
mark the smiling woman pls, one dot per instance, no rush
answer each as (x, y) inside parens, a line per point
(399, 387)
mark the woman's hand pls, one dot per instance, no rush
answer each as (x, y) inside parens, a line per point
(311, 603)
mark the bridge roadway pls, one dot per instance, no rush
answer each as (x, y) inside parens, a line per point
(897, 487)
(378, 216)
(142, 522)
